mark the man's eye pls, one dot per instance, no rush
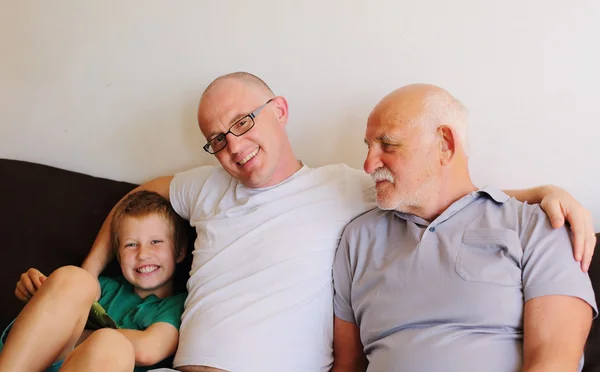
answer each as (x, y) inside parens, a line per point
(387, 146)
(243, 123)
(218, 139)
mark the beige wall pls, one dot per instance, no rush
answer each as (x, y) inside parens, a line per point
(110, 87)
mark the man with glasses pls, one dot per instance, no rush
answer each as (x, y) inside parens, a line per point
(260, 287)
(218, 142)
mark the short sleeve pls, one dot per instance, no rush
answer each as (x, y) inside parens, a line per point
(185, 188)
(170, 310)
(342, 282)
(549, 267)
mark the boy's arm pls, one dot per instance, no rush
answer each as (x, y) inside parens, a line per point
(101, 253)
(559, 205)
(156, 343)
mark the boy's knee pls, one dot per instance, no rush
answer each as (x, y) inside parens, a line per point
(111, 342)
(73, 278)
(105, 350)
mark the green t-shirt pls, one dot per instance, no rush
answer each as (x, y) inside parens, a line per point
(130, 311)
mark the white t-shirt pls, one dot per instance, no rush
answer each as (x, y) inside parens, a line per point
(260, 288)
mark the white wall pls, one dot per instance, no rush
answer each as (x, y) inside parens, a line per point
(110, 87)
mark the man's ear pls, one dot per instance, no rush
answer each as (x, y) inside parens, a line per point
(447, 144)
(281, 108)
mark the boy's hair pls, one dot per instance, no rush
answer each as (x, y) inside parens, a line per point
(141, 204)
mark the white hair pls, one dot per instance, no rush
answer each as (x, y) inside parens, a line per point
(441, 108)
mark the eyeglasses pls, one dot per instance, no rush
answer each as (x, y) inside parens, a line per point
(238, 129)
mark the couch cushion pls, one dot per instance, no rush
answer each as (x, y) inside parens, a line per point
(50, 219)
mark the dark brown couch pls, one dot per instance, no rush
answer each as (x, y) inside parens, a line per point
(52, 218)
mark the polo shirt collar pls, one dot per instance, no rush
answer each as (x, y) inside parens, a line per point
(490, 191)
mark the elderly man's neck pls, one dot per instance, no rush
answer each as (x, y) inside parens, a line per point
(442, 196)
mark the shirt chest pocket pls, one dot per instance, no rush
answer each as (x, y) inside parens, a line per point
(490, 255)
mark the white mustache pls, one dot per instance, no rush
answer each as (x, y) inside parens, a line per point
(382, 174)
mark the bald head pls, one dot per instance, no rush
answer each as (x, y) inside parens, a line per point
(240, 86)
(426, 106)
(251, 81)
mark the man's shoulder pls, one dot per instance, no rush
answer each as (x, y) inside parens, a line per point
(201, 172)
(504, 211)
(524, 213)
(504, 201)
(368, 220)
(341, 170)
(346, 180)
(525, 208)
(186, 186)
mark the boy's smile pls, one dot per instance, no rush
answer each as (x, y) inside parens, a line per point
(147, 255)
(147, 269)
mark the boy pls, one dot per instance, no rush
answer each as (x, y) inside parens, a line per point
(149, 239)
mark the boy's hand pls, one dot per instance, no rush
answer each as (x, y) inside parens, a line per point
(29, 283)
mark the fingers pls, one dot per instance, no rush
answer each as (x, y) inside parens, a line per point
(555, 213)
(37, 280)
(26, 284)
(578, 231)
(20, 296)
(584, 240)
(588, 253)
(22, 293)
(35, 275)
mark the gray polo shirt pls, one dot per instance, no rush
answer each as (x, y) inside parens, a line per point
(448, 295)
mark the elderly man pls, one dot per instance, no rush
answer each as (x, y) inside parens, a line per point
(445, 276)
(260, 289)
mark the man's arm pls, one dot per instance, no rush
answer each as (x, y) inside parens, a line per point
(101, 253)
(348, 355)
(555, 330)
(560, 205)
(156, 343)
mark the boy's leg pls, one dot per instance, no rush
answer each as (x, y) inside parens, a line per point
(105, 350)
(49, 325)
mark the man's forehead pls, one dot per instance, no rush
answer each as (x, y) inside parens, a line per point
(388, 125)
(227, 109)
(222, 108)
(226, 97)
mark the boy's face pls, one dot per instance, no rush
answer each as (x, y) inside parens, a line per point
(147, 255)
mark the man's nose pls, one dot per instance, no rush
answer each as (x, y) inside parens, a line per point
(233, 143)
(372, 162)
